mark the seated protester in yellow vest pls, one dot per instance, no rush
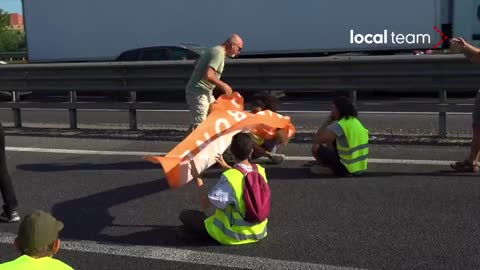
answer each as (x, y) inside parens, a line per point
(267, 140)
(341, 143)
(37, 241)
(227, 225)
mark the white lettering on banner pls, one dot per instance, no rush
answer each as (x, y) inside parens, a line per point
(237, 115)
(221, 141)
(219, 123)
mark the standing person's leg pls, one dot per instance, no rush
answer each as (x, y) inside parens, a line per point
(470, 164)
(198, 106)
(329, 158)
(6, 186)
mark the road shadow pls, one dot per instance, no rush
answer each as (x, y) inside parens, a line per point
(303, 173)
(87, 166)
(85, 218)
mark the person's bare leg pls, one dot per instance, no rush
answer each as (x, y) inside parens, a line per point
(475, 145)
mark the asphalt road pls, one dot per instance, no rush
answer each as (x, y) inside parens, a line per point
(119, 213)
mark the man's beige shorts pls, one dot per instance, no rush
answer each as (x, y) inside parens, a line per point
(198, 104)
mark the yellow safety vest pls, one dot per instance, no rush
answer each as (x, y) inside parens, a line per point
(227, 226)
(27, 262)
(353, 151)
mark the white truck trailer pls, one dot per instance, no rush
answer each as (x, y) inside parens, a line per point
(93, 30)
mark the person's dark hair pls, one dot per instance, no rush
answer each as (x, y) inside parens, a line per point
(242, 145)
(39, 252)
(266, 102)
(257, 102)
(345, 107)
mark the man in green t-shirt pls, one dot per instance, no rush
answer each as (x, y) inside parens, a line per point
(206, 76)
(37, 241)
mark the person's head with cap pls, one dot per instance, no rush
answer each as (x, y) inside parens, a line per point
(38, 235)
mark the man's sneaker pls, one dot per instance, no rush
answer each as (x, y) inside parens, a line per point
(277, 158)
(320, 170)
(13, 217)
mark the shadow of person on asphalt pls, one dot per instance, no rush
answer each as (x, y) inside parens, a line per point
(85, 218)
(56, 167)
(276, 173)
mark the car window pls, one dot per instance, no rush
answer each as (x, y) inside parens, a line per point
(154, 55)
(178, 54)
(128, 56)
(192, 55)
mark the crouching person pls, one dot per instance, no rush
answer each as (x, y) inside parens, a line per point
(341, 144)
(37, 241)
(240, 216)
(267, 140)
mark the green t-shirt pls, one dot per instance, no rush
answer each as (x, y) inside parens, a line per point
(27, 262)
(214, 58)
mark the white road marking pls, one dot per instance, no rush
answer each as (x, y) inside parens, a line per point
(83, 152)
(184, 255)
(140, 153)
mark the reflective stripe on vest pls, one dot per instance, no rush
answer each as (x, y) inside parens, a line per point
(353, 149)
(237, 236)
(227, 226)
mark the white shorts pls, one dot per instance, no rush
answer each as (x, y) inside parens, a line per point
(198, 104)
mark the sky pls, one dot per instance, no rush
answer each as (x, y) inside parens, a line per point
(11, 6)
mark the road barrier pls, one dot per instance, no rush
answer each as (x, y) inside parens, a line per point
(353, 74)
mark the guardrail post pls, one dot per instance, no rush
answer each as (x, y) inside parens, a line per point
(17, 115)
(442, 116)
(132, 111)
(72, 111)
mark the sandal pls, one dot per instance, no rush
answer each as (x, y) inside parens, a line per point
(464, 166)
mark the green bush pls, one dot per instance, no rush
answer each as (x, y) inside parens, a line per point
(10, 40)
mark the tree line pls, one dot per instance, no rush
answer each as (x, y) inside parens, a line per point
(11, 40)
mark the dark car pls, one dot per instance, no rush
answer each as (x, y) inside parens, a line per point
(161, 53)
(158, 53)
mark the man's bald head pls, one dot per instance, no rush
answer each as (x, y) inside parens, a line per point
(235, 38)
(233, 45)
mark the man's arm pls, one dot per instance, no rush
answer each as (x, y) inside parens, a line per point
(217, 59)
(323, 135)
(211, 76)
(470, 51)
(205, 203)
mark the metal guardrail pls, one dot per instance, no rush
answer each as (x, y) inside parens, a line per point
(13, 56)
(440, 73)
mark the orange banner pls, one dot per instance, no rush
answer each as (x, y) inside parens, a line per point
(213, 136)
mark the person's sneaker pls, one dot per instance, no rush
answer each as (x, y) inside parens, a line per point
(464, 166)
(277, 158)
(13, 217)
(319, 169)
